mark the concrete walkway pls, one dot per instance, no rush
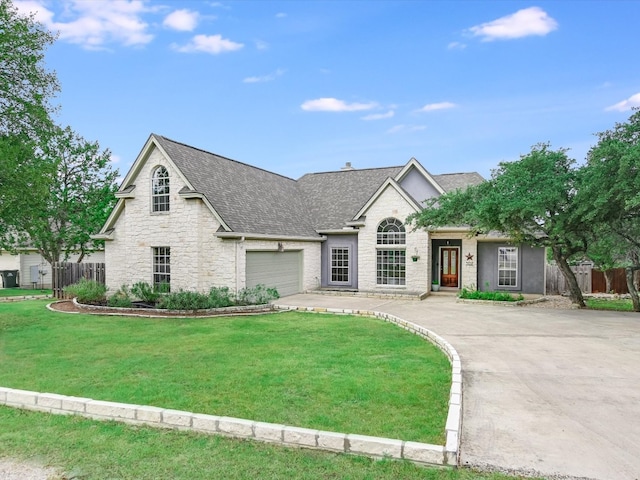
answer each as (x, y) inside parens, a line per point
(552, 392)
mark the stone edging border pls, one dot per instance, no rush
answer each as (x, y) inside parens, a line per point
(18, 298)
(453, 426)
(370, 446)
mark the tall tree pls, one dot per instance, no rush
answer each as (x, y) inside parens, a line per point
(26, 86)
(531, 200)
(610, 193)
(70, 200)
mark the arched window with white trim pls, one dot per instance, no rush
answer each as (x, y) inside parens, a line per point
(391, 262)
(160, 190)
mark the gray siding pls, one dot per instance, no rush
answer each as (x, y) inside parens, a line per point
(418, 187)
(531, 262)
(348, 241)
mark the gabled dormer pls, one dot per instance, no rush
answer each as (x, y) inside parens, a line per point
(418, 182)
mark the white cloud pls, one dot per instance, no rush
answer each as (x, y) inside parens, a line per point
(379, 116)
(262, 45)
(281, 15)
(523, 23)
(95, 23)
(183, 20)
(625, 105)
(265, 78)
(456, 46)
(406, 128)
(430, 107)
(213, 44)
(335, 105)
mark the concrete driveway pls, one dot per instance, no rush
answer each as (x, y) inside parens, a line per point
(548, 392)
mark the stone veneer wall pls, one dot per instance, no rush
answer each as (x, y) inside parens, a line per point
(199, 260)
(392, 204)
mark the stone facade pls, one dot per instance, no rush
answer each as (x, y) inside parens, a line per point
(199, 259)
(390, 204)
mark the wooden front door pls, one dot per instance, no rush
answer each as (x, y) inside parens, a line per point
(449, 266)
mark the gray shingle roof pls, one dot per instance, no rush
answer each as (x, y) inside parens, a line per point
(253, 200)
(249, 199)
(454, 181)
(333, 198)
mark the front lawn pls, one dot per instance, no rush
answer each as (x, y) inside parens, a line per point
(330, 372)
(620, 304)
(24, 292)
(90, 450)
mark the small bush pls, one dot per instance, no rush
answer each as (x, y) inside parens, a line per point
(184, 300)
(493, 296)
(87, 291)
(122, 298)
(145, 292)
(220, 297)
(258, 295)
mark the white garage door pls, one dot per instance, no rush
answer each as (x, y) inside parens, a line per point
(282, 270)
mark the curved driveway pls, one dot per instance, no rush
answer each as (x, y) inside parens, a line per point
(553, 392)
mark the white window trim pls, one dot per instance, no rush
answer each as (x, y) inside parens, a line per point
(516, 269)
(391, 247)
(156, 195)
(349, 260)
(154, 264)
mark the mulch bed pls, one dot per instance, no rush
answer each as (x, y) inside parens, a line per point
(69, 307)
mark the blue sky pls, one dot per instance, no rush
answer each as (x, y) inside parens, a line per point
(297, 87)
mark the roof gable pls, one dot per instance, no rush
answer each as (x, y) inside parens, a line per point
(248, 198)
(389, 183)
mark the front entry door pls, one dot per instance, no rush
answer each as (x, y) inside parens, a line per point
(449, 266)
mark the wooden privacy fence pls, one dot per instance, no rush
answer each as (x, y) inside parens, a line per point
(66, 273)
(589, 280)
(556, 284)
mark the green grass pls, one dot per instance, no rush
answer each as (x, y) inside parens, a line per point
(19, 292)
(330, 372)
(90, 450)
(621, 305)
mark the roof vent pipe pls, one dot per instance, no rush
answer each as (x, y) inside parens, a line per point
(347, 166)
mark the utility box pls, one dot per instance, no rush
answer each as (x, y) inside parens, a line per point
(35, 275)
(9, 278)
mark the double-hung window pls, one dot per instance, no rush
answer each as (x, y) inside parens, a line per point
(162, 268)
(391, 253)
(340, 265)
(160, 190)
(507, 266)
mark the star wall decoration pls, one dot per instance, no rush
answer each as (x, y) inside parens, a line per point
(469, 257)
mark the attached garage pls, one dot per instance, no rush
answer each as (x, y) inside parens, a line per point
(282, 270)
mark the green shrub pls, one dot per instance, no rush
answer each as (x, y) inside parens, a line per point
(87, 291)
(122, 298)
(220, 297)
(257, 295)
(184, 300)
(493, 296)
(145, 292)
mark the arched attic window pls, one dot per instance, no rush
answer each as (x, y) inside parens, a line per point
(391, 262)
(391, 232)
(160, 190)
